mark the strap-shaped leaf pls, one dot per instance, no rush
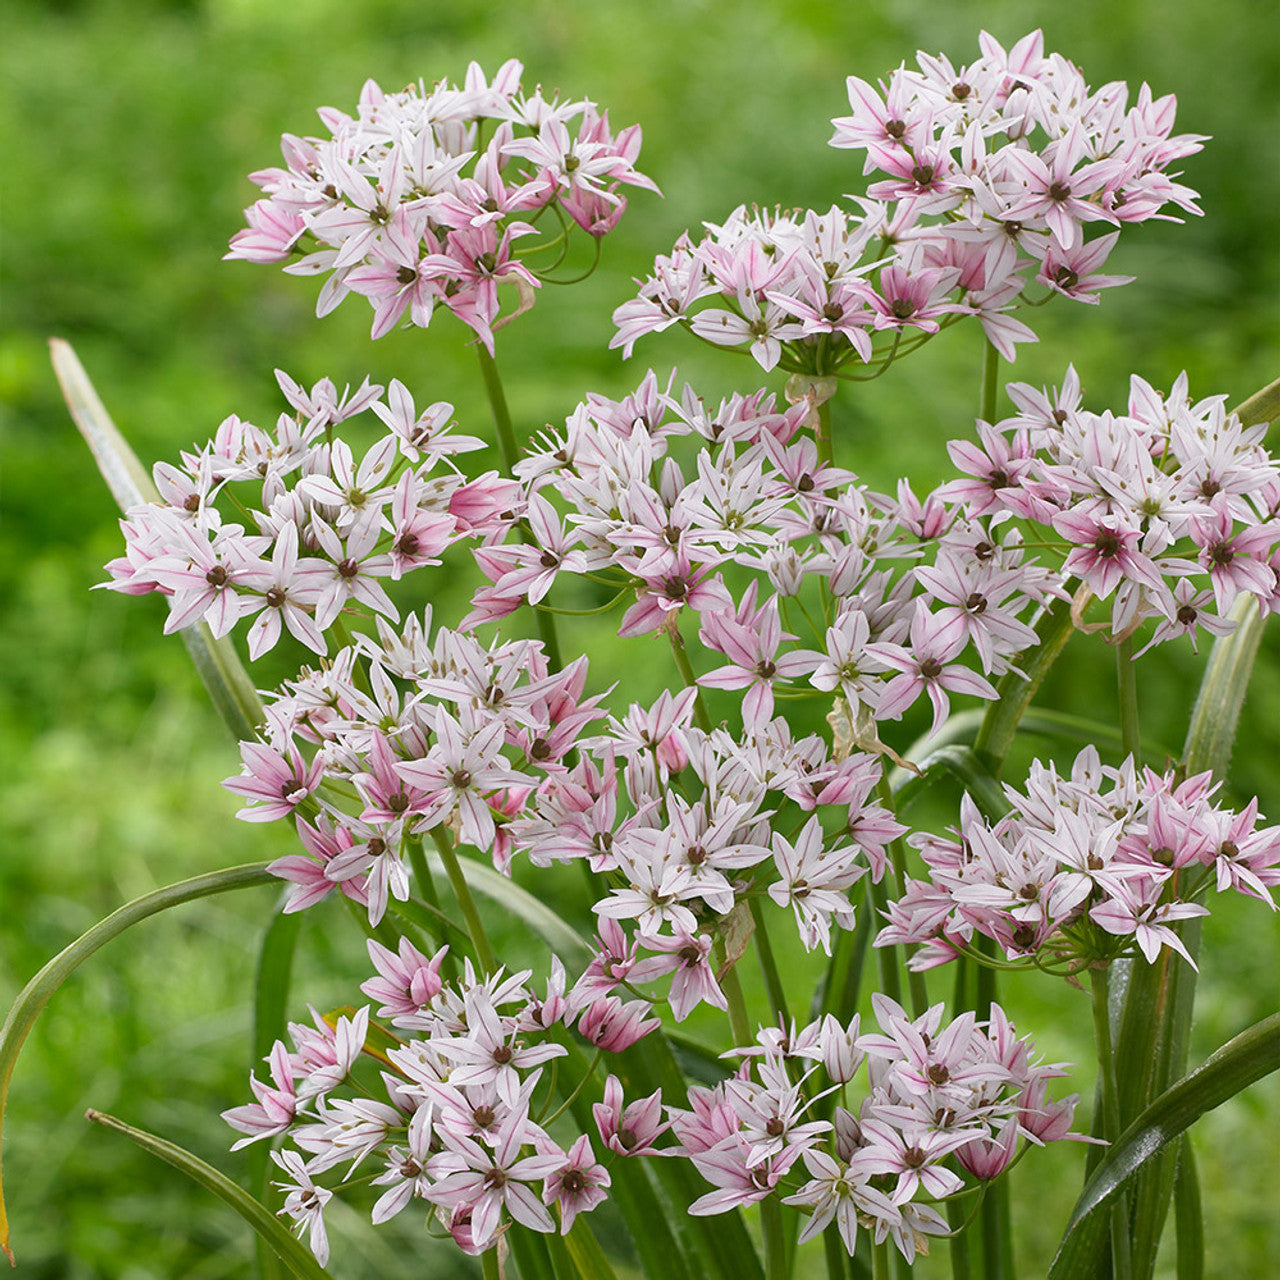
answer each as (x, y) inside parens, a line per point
(563, 939)
(216, 661)
(1262, 406)
(1188, 1215)
(720, 1246)
(1001, 719)
(270, 1000)
(297, 1260)
(35, 995)
(1216, 716)
(968, 768)
(588, 1257)
(1058, 726)
(1252, 1055)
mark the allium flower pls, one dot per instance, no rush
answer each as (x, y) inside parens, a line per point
(578, 1186)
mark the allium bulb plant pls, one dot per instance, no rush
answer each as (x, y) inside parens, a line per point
(625, 1105)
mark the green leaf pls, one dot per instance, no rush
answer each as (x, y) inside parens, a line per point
(586, 1252)
(1262, 406)
(298, 1260)
(1216, 717)
(1001, 720)
(965, 764)
(563, 939)
(270, 1000)
(717, 1247)
(1241, 1062)
(1058, 726)
(35, 995)
(216, 661)
(649, 1223)
(1190, 1220)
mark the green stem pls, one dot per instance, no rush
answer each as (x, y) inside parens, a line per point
(739, 1022)
(1127, 679)
(510, 456)
(769, 966)
(880, 1261)
(775, 1242)
(489, 1264)
(822, 435)
(1110, 1115)
(890, 979)
(834, 1251)
(958, 1243)
(427, 888)
(990, 382)
(843, 979)
(686, 674)
(475, 929)
(898, 860)
(498, 405)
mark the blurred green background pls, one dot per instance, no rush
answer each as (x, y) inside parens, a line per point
(128, 128)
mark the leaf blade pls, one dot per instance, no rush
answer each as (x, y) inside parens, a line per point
(215, 660)
(37, 993)
(300, 1262)
(1247, 1058)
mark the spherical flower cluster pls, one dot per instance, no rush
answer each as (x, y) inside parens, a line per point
(328, 527)
(461, 1130)
(942, 1101)
(1168, 510)
(421, 198)
(992, 172)
(1083, 868)
(903, 589)
(487, 746)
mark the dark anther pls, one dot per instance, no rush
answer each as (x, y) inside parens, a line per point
(1107, 544)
